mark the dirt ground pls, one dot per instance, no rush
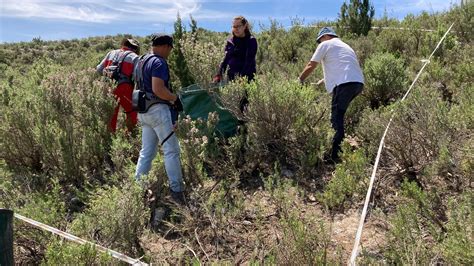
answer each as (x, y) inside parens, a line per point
(252, 235)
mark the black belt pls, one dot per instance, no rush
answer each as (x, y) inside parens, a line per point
(349, 83)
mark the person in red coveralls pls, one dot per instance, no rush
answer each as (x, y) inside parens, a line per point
(118, 65)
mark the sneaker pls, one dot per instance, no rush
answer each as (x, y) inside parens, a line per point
(178, 197)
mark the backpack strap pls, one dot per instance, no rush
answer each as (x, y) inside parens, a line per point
(121, 59)
(122, 78)
(151, 98)
(139, 70)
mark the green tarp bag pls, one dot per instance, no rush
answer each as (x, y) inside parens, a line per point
(198, 103)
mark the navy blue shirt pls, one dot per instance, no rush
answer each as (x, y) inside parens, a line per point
(155, 67)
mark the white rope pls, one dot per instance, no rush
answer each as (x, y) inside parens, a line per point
(373, 27)
(377, 159)
(81, 241)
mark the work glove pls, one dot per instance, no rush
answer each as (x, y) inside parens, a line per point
(217, 78)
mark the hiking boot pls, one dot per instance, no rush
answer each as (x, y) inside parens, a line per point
(178, 197)
(330, 160)
(158, 215)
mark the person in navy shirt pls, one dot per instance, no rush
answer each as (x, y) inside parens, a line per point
(157, 123)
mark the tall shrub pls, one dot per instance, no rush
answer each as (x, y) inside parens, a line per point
(385, 79)
(357, 16)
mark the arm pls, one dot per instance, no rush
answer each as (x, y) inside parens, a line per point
(249, 67)
(307, 70)
(160, 90)
(225, 61)
(100, 67)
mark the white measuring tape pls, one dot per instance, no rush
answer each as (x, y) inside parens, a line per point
(373, 27)
(81, 241)
(377, 159)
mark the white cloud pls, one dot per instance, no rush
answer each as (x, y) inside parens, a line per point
(164, 11)
(106, 11)
(415, 6)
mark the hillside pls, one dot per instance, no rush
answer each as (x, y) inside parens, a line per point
(265, 195)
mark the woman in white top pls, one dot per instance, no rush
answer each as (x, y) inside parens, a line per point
(342, 76)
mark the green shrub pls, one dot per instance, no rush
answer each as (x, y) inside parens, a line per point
(426, 135)
(286, 123)
(177, 58)
(9, 190)
(364, 46)
(47, 207)
(63, 253)
(304, 240)
(371, 126)
(115, 219)
(419, 234)
(289, 46)
(286, 52)
(411, 237)
(393, 41)
(202, 58)
(200, 146)
(458, 246)
(462, 17)
(386, 79)
(357, 16)
(124, 152)
(346, 180)
(56, 123)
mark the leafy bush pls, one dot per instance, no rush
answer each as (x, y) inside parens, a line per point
(199, 143)
(413, 232)
(357, 16)
(60, 253)
(115, 218)
(286, 123)
(9, 189)
(202, 58)
(56, 151)
(393, 41)
(462, 17)
(47, 207)
(420, 233)
(346, 180)
(458, 246)
(305, 240)
(386, 79)
(52, 124)
(423, 132)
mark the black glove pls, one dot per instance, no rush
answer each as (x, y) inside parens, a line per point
(178, 105)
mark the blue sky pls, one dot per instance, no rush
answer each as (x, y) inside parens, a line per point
(22, 20)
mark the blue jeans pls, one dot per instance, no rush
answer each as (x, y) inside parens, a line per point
(342, 96)
(156, 127)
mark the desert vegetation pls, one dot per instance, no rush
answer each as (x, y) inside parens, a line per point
(263, 196)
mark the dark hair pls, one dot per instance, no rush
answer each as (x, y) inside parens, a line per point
(245, 23)
(161, 39)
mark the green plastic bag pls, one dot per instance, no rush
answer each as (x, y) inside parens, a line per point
(198, 103)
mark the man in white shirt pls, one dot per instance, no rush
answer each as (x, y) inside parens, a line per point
(342, 76)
